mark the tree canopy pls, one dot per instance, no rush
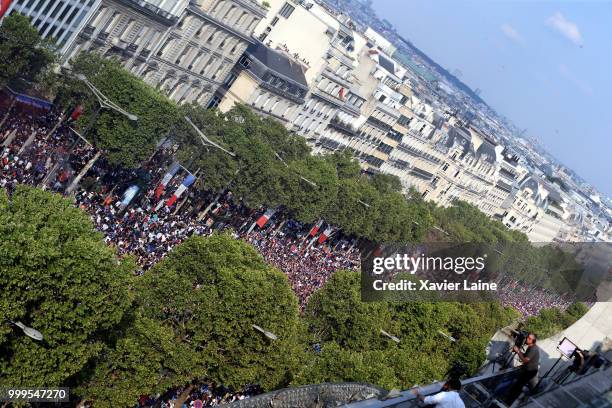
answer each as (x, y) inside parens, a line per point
(59, 277)
(353, 348)
(23, 53)
(125, 142)
(193, 320)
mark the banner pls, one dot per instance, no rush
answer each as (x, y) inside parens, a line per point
(315, 228)
(325, 234)
(129, 195)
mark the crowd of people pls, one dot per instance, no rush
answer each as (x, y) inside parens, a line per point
(201, 395)
(148, 228)
(145, 229)
(529, 300)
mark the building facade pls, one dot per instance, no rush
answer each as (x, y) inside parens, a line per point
(58, 19)
(186, 48)
(268, 81)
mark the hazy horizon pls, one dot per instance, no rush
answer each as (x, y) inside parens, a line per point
(544, 65)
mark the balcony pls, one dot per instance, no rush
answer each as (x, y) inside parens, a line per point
(101, 38)
(341, 127)
(130, 50)
(87, 32)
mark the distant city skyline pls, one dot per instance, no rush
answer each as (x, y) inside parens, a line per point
(544, 65)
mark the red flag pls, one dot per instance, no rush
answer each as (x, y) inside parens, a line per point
(315, 228)
(4, 5)
(341, 93)
(171, 200)
(159, 191)
(261, 221)
(324, 235)
(76, 113)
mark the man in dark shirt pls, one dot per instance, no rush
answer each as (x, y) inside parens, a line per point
(529, 369)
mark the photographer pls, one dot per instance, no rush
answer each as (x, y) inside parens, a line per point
(447, 398)
(529, 368)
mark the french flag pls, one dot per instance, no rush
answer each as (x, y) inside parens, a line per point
(315, 228)
(325, 234)
(180, 190)
(261, 221)
(166, 179)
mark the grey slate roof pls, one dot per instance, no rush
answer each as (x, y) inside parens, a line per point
(278, 62)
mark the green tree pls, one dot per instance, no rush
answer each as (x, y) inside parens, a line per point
(23, 53)
(193, 322)
(336, 313)
(57, 276)
(386, 183)
(354, 349)
(125, 143)
(355, 208)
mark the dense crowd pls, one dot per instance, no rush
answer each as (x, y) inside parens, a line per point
(202, 395)
(146, 229)
(529, 300)
(149, 229)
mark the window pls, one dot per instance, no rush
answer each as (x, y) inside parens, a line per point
(445, 167)
(208, 64)
(244, 61)
(218, 72)
(182, 55)
(229, 81)
(214, 102)
(199, 32)
(212, 37)
(195, 60)
(229, 12)
(242, 18)
(163, 48)
(274, 21)
(286, 10)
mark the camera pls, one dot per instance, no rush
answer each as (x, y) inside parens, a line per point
(520, 337)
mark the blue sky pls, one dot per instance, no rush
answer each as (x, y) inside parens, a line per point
(546, 65)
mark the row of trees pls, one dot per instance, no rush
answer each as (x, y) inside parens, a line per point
(113, 336)
(271, 167)
(274, 168)
(552, 321)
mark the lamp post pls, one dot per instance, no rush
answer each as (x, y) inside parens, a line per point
(312, 183)
(393, 338)
(363, 203)
(449, 337)
(266, 333)
(206, 141)
(105, 103)
(28, 331)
